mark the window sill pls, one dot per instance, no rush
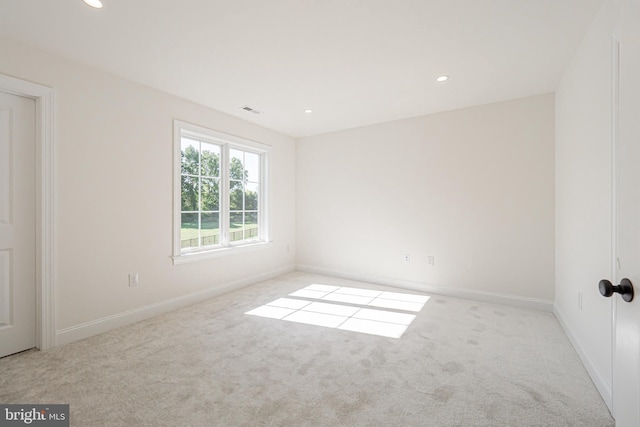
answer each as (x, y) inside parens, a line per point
(219, 252)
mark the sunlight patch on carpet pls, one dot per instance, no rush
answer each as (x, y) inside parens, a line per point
(347, 309)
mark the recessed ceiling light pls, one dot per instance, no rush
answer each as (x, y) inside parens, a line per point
(442, 78)
(94, 3)
(308, 111)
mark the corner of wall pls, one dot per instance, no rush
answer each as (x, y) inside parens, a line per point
(598, 378)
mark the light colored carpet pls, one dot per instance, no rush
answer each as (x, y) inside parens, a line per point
(461, 363)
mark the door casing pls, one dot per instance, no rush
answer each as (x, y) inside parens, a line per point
(45, 144)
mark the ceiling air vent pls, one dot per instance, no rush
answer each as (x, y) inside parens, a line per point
(251, 110)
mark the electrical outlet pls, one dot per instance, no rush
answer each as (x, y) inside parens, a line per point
(133, 279)
(431, 260)
(406, 258)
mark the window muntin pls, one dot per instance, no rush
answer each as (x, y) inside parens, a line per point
(221, 191)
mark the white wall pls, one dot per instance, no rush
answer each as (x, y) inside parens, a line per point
(583, 198)
(474, 188)
(114, 193)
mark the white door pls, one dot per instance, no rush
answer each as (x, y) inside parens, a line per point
(17, 224)
(626, 352)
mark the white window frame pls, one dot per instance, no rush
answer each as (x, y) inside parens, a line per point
(225, 142)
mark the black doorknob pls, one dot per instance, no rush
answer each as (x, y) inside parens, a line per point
(625, 289)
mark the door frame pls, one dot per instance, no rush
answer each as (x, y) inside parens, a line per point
(44, 170)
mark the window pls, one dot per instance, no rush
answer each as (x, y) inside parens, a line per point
(220, 192)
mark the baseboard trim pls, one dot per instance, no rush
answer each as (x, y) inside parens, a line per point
(596, 376)
(98, 326)
(491, 297)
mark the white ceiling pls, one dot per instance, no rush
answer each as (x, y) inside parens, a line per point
(354, 62)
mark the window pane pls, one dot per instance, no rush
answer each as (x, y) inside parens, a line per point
(251, 197)
(236, 165)
(189, 230)
(235, 227)
(235, 198)
(189, 193)
(235, 185)
(210, 160)
(252, 166)
(210, 233)
(210, 195)
(251, 225)
(190, 156)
